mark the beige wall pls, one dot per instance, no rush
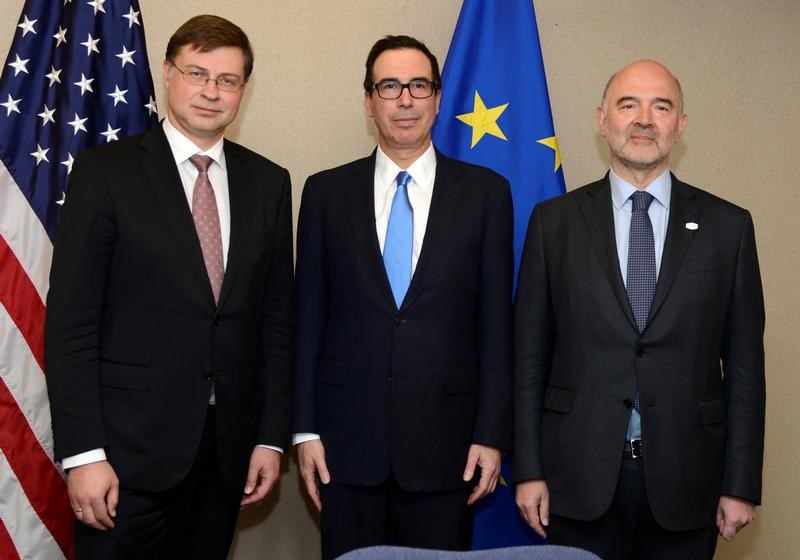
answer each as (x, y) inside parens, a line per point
(737, 60)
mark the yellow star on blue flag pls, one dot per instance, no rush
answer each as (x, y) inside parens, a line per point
(552, 143)
(483, 120)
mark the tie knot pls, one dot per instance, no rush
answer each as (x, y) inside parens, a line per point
(201, 162)
(403, 178)
(641, 201)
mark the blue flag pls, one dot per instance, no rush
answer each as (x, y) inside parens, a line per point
(495, 112)
(76, 75)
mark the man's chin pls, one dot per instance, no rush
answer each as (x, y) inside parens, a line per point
(641, 164)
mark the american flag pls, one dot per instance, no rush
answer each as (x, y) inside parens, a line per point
(76, 75)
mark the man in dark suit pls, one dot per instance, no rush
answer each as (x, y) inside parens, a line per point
(169, 325)
(403, 282)
(635, 293)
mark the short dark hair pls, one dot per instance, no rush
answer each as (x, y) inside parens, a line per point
(206, 33)
(396, 42)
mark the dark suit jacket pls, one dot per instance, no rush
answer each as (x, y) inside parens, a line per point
(409, 389)
(133, 337)
(578, 358)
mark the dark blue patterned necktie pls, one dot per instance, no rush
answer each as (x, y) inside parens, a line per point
(398, 246)
(641, 279)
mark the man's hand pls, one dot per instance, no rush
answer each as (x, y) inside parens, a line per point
(488, 459)
(93, 494)
(533, 501)
(311, 458)
(732, 515)
(262, 474)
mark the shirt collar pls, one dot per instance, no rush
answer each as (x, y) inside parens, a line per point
(183, 148)
(621, 190)
(422, 171)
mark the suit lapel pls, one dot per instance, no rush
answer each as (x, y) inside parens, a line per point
(162, 174)
(599, 218)
(682, 211)
(445, 205)
(360, 202)
(240, 194)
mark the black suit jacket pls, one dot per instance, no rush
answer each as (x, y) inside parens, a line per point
(578, 358)
(409, 389)
(133, 337)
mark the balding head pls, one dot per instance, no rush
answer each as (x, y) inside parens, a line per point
(649, 66)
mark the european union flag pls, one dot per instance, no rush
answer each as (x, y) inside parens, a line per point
(495, 112)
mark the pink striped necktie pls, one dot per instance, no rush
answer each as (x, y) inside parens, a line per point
(206, 220)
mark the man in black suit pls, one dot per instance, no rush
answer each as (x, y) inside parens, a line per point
(635, 294)
(402, 385)
(169, 327)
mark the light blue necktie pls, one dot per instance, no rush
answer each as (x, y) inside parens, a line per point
(397, 247)
(641, 281)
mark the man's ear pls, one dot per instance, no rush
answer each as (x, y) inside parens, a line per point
(682, 122)
(600, 115)
(368, 103)
(166, 66)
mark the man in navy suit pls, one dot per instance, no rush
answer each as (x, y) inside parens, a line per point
(635, 294)
(168, 336)
(402, 387)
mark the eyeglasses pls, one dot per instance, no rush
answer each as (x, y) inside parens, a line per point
(419, 88)
(225, 82)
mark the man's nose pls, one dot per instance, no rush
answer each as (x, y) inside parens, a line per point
(405, 98)
(210, 89)
(644, 118)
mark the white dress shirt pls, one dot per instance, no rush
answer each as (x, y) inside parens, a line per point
(420, 192)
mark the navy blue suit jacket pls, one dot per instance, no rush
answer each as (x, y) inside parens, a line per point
(404, 389)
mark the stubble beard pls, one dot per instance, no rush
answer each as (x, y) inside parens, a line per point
(639, 164)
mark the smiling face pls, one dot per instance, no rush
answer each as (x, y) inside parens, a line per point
(641, 118)
(201, 113)
(404, 124)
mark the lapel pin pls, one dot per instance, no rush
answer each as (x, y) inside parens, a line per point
(691, 226)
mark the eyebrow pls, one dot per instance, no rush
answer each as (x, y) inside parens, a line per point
(200, 68)
(392, 79)
(664, 100)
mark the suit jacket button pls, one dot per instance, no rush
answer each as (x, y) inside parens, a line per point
(627, 403)
(639, 351)
(217, 321)
(208, 375)
(399, 320)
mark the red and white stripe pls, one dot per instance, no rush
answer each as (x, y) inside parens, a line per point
(35, 515)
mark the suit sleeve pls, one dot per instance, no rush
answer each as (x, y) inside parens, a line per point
(742, 357)
(276, 329)
(310, 310)
(82, 256)
(533, 351)
(493, 425)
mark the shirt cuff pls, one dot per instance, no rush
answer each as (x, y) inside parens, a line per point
(273, 447)
(303, 437)
(92, 456)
